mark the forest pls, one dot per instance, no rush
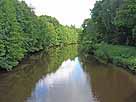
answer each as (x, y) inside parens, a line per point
(110, 32)
(23, 32)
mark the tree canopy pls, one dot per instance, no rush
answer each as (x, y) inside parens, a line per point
(114, 22)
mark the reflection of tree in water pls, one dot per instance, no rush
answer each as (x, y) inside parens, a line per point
(18, 85)
(60, 54)
(110, 84)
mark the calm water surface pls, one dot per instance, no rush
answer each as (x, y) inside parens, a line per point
(62, 76)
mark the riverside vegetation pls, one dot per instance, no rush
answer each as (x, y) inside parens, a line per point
(22, 32)
(110, 33)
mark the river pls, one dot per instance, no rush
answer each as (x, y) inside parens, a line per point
(62, 75)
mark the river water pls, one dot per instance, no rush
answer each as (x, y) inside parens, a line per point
(62, 75)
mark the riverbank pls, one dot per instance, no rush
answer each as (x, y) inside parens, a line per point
(123, 56)
(26, 57)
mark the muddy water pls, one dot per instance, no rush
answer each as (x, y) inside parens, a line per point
(62, 76)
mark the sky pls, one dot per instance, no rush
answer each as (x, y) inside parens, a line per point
(68, 12)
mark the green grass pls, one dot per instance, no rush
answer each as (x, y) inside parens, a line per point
(124, 56)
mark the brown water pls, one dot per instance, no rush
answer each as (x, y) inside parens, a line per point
(62, 76)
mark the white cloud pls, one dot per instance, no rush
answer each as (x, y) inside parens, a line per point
(66, 11)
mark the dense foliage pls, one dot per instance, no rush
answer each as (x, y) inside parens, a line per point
(124, 56)
(112, 26)
(22, 32)
(112, 21)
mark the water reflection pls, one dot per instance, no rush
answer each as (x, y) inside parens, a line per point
(68, 84)
(109, 83)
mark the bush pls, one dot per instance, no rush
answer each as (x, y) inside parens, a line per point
(120, 55)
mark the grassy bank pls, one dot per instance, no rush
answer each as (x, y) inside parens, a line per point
(124, 56)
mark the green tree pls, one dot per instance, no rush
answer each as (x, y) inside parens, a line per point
(11, 36)
(125, 21)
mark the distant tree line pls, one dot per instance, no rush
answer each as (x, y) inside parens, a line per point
(22, 32)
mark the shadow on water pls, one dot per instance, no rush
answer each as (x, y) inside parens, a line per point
(109, 83)
(61, 76)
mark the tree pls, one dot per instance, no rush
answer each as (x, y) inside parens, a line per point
(125, 21)
(11, 36)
